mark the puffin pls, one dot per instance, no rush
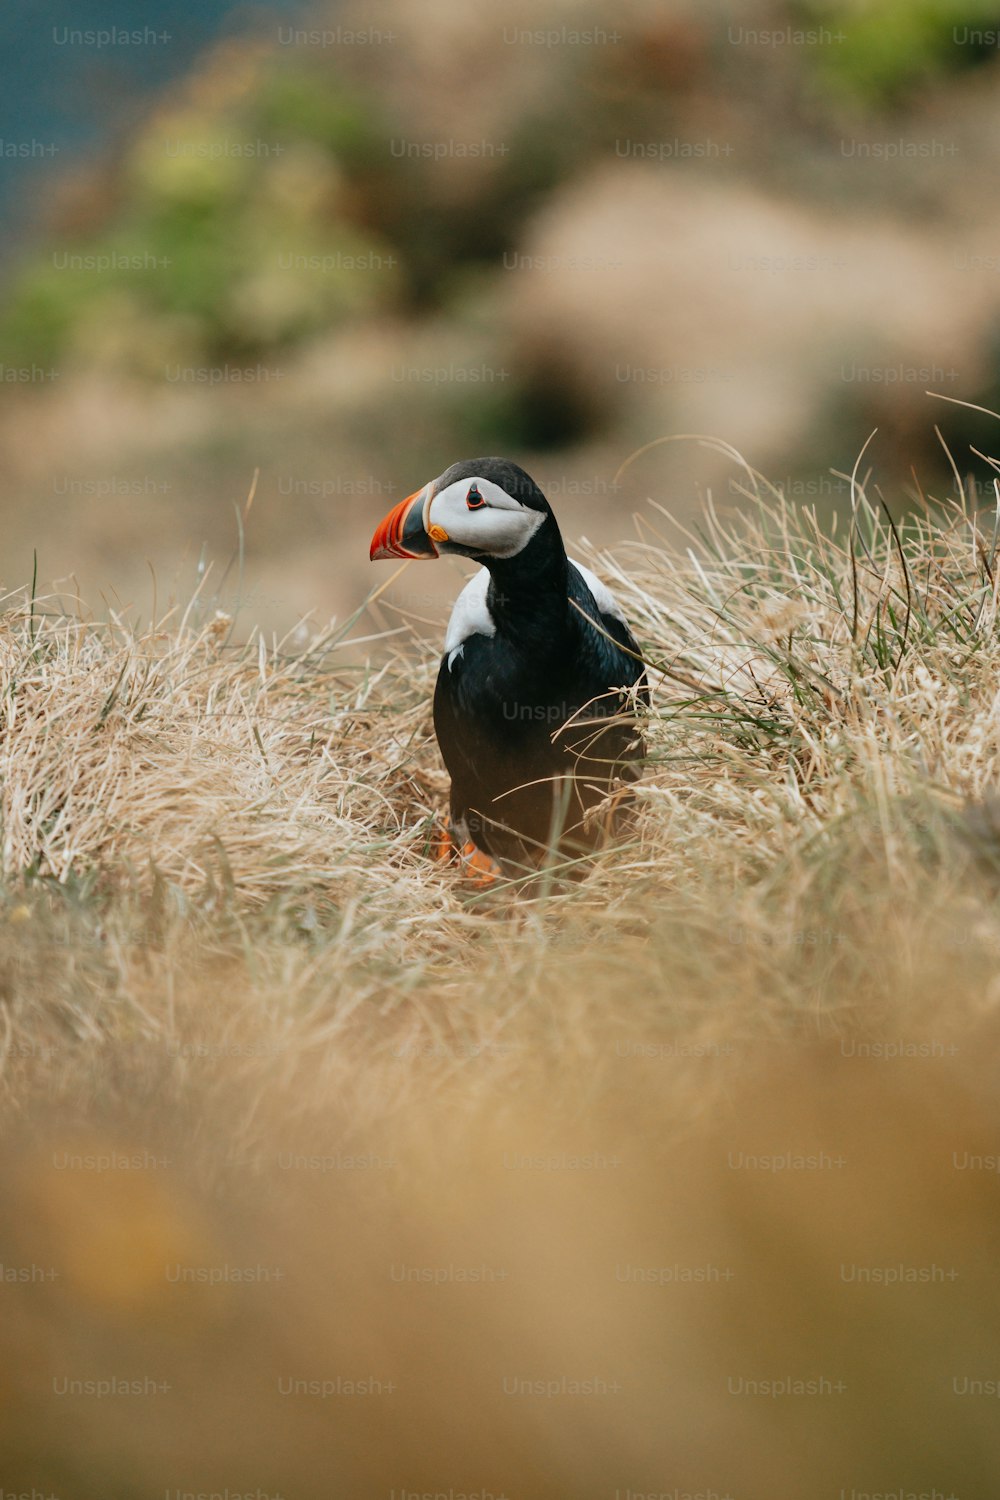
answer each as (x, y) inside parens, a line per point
(541, 687)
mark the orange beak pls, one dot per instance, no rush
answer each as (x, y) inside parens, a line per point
(403, 532)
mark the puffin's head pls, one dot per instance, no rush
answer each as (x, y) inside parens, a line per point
(481, 508)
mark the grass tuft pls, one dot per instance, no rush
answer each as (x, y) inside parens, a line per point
(823, 758)
(226, 955)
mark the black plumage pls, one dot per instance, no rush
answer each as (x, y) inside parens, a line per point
(537, 721)
(520, 776)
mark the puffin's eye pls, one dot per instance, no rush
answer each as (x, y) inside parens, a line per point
(474, 499)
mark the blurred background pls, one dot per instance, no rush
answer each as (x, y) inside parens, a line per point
(345, 246)
(317, 253)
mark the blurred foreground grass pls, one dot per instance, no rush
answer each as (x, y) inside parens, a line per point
(372, 1184)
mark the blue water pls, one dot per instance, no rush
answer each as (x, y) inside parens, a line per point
(64, 101)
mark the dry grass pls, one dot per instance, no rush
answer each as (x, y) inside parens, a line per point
(221, 938)
(823, 754)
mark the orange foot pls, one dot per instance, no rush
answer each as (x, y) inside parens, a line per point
(478, 867)
(443, 846)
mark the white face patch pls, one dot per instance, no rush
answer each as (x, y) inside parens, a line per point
(496, 525)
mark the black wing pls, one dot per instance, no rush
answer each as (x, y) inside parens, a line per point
(612, 659)
(509, 725)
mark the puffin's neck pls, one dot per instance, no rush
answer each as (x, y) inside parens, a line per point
(528, 592)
